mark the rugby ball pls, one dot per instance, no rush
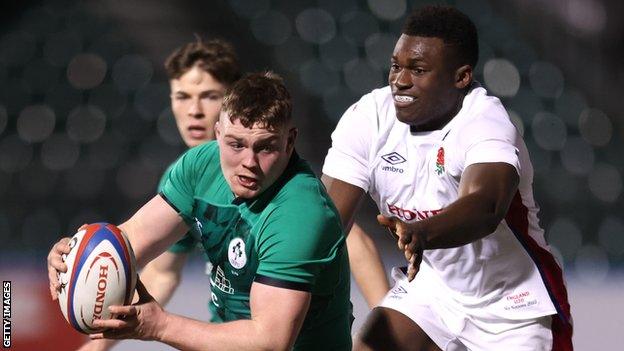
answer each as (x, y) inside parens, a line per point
(101, 271)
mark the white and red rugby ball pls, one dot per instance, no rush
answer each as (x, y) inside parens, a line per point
(101, 271)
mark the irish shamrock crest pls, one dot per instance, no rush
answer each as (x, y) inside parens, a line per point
(440, 161)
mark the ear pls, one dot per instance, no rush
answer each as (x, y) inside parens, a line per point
(463, 76)
(292, 136)
(217, 129)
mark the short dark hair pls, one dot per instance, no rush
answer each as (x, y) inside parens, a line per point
(259, 98)
(448, 24)
(214, 56)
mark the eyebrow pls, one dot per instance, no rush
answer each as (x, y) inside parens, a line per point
(261, 141)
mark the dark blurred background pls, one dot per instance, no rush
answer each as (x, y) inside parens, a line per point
(86, 128)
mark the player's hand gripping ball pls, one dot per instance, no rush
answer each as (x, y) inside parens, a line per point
(101, 271)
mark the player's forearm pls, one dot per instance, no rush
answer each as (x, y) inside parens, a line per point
(366, 266)
(189, 334)
(468, 219)
(161, 285)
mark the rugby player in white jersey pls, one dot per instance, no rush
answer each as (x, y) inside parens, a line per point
(452, 178)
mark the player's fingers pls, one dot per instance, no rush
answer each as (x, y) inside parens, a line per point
(386, 221)
(123, 310)
(54, 284)
(414, 265)
(110, 324)
(96, 336)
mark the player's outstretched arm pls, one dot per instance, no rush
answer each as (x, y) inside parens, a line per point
(366, 266)
(151, 231)
(364, 259)
(276, 318)
(485, 193)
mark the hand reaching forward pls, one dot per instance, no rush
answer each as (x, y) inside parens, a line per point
(144, 320)
(410, 241)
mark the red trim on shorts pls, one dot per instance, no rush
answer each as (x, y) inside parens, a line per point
(562, 335)
(518, 221)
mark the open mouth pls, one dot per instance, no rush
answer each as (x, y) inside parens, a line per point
(404, 99)
(197, 132)
(248, 182)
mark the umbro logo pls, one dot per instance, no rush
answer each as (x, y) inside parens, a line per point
(393, 158)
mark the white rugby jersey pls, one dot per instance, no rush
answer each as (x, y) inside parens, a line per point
(510, 273)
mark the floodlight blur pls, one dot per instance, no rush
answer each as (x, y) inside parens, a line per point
(37, 181)
(611, 235)
(565, 234)
(549, 131)
(546, 79)
(271, 28)
(336, 101)
(106, 152)
(110, 46)
(60, 47)
(501, 77)
(249, 8)
(388, 10)
(317, 78)
(136, 180)
(525, 101)
(64, 98)
(361, 77)
(167, 129)
(605, 183)
(540, 159)
(39, 76)
(517, 121)
(356, 26)
(592, 265)
(154, 152)
(315, 25)
(15, 154)
(132, 72)
(293, 53)
(577, 156)
(17, 48)
(4, 118)
(337, 52)
(150, 100)
(595, 127)
(379, 47)
(570, 105)
(85, 124)
(35, 123)
(523, 55)
(86, 71)
(42, 224)
(110, 100)
(84, 182)
(486, 53)
(86, 215)
(59, 152)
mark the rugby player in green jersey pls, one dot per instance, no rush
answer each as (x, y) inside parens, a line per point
(281, 277)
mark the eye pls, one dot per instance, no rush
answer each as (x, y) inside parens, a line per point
(418, 70)
(394, 66)
(235, 145)
(214, 97)
(181, 97)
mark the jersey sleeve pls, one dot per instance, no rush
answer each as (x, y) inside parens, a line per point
(348, 157)
(297, 241)
(490, 139)
(187, 243)
(181, 183)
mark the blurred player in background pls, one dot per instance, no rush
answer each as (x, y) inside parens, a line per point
(452, 178)
(199, 74)
(280, 276)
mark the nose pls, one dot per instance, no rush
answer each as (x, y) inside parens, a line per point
(250, 159)
(195, 109)
(401, 79)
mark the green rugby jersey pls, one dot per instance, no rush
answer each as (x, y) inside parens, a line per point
(289, 236)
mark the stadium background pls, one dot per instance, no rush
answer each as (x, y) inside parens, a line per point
(86, 129)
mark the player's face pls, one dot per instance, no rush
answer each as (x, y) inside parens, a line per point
(422, 79)
(252, 158)
(196, 99)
